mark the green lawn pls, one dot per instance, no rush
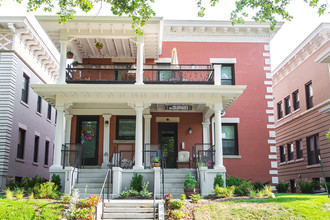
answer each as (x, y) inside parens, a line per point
(284, 206)
(35, 209)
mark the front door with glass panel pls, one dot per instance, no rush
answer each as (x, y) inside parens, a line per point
(87, 135)
(168, 138)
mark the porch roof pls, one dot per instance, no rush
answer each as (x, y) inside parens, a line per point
(143, 94)
(114, 32)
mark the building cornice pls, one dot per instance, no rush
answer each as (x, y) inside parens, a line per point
(316, 40)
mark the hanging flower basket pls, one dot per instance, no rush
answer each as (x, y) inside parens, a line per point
(69, 55)
(99, 45)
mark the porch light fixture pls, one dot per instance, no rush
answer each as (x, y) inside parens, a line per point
(190, 130)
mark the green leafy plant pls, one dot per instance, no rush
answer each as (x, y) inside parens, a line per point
(190, 181)
(258, 186)
(218, 181)
(47, 190)
(183, 197)
(66, 198)
(242, 186)
(261, 194)
(124, 194)
(195, 198)
(201, 165)
(282, 187)
(132, 193)
(31, 196)
(271, 196)
(9, 193)
(156, 160)
(307, 187)
(98, 44)
(167, 198)
(19, 192)
(253, 194)
(136, 182)
(268, 190)
(145, 193)
(222, 192)
(178, 214)
(176, 204)
(57, 180)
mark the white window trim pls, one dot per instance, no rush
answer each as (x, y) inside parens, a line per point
(163, 60)
(223, 120)
(223, 60)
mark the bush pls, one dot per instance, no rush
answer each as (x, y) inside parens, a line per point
(178, 214)
(57, 180)
(218, 181)
(242, 186)
(19, 192)
(258, 186)
(145, 193)
(136, 182)
(222, 192)
(47, 190)
(9, 193)
(282, 187)
(195, 198)
(307, 187)
(190, 181)
(176, 204)
(26, 183)
(253, 194)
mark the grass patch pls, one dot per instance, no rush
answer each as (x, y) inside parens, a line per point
(284, 206)
(35, 209)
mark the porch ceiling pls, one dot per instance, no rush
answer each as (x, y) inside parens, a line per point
(115, 33)
(131, 94)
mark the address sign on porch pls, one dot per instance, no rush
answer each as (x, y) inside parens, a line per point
(178, 107)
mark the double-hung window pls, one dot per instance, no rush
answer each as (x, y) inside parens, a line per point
(21, 144)
(279, 110)
(290, 151)
(282, 154)
(229, 139)
(299, 151)
(49, 112)
(227, 74)
(36, 149)
(125, 129)
(309, 95)
(313, 149)
(46, 153)
(295, 97)
(287, 105)
(39, 104)
(25, 89)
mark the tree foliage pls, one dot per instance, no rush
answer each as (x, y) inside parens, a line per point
(141, 11)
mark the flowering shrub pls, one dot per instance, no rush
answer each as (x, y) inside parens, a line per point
(167, 198)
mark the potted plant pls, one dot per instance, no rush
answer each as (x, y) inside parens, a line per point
(69, 55)
(99, 45)
(190, 185)
(156, 162)
(75, 63)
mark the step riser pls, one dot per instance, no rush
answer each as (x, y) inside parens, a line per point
(128, 215)
(128, 210)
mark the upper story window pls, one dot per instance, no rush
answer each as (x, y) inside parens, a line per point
(39, 104)
(287, 105)
(21, 144)
(49, 112)
(279, 110)
(227, 74)
(309, 95)
(295, 98)
(282, 154)
(125, 129)
(25, 89)
(290, 151)
(313, 149)
(299, 151)
(229, 139)
(46, 153)
(36, 149)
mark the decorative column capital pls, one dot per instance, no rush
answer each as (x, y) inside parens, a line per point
(60, 108)
(68, 116)
(106, 116)
(147, 116)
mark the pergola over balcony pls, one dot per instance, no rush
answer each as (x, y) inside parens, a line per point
(120, 41)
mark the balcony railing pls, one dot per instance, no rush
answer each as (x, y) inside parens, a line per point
(152, 74)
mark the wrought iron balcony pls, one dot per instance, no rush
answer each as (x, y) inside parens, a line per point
(152, 74)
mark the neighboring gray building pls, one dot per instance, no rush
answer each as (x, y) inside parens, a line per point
(27, 122)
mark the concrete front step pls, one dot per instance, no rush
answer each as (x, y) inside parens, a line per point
(129, 203)
(129, 215)
(89, 179)
(128, 210)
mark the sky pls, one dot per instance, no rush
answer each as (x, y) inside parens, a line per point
(284, 42)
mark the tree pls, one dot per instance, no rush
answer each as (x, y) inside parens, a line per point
(140, 10)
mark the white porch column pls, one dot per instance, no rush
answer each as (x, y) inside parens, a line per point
(218, 138)
(147, 126)
(206, 130)
(58, 138)
(138, 138)
(217, 74)
(139, 60)
(106, 140)
(62, 67)
(68, 120)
